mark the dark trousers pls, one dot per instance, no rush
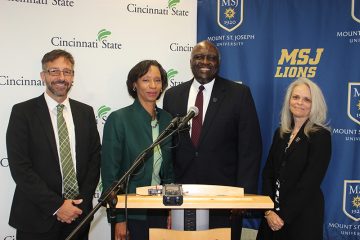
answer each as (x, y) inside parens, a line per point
(139, 229)
(60, 231)
(224, 219)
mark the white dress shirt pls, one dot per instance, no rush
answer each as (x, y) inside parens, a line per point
(194, 89)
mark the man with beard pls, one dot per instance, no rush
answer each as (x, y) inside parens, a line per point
(54, 157)
(223, 145)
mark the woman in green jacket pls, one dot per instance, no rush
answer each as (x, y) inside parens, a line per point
(127, 132)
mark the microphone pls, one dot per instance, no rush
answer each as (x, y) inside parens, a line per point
(193, 112)
(172, 125)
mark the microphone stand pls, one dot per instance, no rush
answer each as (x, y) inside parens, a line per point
(110, 195)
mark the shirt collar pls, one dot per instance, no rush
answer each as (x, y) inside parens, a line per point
(52, 104)
(207, 86)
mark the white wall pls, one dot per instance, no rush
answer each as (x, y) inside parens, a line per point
(30, 28)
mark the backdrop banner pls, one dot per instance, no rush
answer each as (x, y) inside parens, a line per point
(266, 45)
(106, 38)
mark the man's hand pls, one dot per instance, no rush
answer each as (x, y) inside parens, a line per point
(168, 221)
(68, 212)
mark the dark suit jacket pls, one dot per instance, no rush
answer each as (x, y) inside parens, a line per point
(229, 149)
(35, 166)
(300, 170)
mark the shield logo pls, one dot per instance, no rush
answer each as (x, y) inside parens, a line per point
(230, 14)
(355, 10)
(351, 199)
(353, 108)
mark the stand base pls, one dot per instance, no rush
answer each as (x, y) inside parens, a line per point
(198, 220)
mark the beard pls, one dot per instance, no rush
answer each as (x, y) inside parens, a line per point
(59, 91)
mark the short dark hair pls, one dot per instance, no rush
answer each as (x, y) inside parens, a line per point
(55, 54)
(139, 70)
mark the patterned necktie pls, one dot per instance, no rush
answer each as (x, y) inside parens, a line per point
(71, 189)
(197, 121)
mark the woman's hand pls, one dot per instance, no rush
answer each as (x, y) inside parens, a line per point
(120, 231)
(274, 221)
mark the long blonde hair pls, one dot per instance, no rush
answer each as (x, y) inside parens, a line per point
(318, 112)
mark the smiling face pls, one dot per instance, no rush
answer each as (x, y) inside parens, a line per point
(204, 62)
(300, 102)
(57, 87)
(148, 87)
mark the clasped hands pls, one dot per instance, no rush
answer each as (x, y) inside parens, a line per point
(68, 212)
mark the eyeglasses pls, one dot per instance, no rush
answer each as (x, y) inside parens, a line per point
(57, 72)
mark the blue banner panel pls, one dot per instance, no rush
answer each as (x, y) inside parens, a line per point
(266, 45)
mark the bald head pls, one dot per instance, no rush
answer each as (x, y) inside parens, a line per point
(205, 60)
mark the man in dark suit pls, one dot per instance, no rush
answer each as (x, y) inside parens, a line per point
(228, 150)
(43, 208)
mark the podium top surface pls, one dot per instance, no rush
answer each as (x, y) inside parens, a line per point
(199, 197)
(199, 190)
(198, 202)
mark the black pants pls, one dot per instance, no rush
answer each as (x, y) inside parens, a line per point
(60, 231)
(224, 219)
(139, 229)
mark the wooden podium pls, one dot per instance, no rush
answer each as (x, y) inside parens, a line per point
(199, 197)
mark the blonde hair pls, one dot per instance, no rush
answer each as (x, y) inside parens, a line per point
(318, 112)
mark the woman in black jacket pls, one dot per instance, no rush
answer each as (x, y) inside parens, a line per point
(296, 165)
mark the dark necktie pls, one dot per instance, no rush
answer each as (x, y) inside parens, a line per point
(197, 121)
(71, 189)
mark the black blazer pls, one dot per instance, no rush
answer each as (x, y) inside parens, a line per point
(300, 170)
(35, 166)
(229, 149)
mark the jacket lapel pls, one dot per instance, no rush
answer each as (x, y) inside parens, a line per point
(77, 121)
(215, 101)
(300, 137)
(42, 111)
(183, 98)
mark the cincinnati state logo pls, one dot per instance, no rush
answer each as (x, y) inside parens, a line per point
(101, 41)
(171, 77)
(298, 63)
(102, 114)
(168, 10)
(351, 199)
(102, 34)
(353, 106)
(173, 3)
(230, 14)
(355, 10)
(171, 74)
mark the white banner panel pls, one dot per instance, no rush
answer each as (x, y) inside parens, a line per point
(107, 38)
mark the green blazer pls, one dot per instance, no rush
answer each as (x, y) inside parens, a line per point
(127, 132)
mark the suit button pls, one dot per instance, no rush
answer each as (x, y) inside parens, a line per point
(283, 164)
(196, 154)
